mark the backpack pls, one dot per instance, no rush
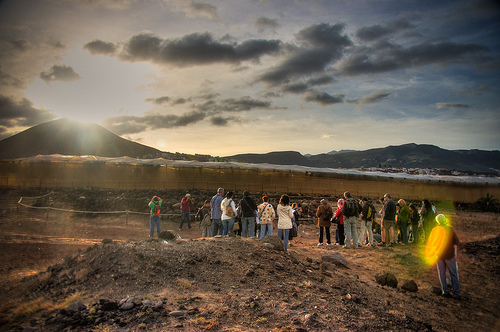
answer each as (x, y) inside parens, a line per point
(207, 220)
(351, 208)
(327, 215)
(370, 215)
(156, 209)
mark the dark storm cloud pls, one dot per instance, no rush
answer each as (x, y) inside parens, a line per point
(234, 105)
(194, 49)
(127, 124)
(451, 105)
(373, 32)
(323, 44)
(264, 23)
(100, 47)
(296, 88)
(372, 98)
(387, 57)
(21, 113)
(180, 101)
(9, 80)
(159, 100)
(60, 73)
(323, 98)
(219, 121)
(321, 80)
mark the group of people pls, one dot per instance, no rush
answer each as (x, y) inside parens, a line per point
(218, 217)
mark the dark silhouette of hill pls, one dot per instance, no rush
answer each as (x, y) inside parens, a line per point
(69, 137)
(407, 155)
(278, 158)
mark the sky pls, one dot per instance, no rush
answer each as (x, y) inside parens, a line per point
(247, 76)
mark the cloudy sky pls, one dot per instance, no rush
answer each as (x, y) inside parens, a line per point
(222, 77)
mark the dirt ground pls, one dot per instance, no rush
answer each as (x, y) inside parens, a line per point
(228, 284)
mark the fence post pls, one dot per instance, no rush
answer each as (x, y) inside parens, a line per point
(48, 209)
(126, 220)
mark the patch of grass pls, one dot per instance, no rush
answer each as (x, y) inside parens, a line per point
(78, 296)
(30, 307)
(261, 320)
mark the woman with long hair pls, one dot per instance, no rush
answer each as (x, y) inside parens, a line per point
(228, 213)
(285, 215)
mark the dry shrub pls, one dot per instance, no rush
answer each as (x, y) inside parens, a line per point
(206, 324)
(82, 275)
(78, 296)
(29, 308)
(184, 283)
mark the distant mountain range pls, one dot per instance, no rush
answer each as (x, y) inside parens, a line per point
(68, 137)
(407, 156)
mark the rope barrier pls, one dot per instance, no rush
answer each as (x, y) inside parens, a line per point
(47, 208)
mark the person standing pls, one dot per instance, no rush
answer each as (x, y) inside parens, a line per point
(325, 215)
(205, 220)
(248, 208)
(415, 219)
(217, 212)
(350, 210)
(367, 217)
(403, 220)
(339, 232)
(266, 215)
(427, 217)
(228, 213)
(389, 220)
(186, 204)
(447, 256)
(154, 219)
(285, 215)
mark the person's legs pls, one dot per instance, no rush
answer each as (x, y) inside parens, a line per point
(328, 239)
(262, 230)
(183, 215)
(337, 234)
(270, 228)
(188, 216)
(414, 232)
(404, 233)
(441, 267)
(453, 269)
(251, 227)
(370, 232)
(230, 225)
(362, 233)
(285, 238)
(158, 227)
(347, 230)
(320, 235)
(393, 232)
(280, 233)
(244, 227)
(341, 234)
(225, 227)
(151, 226)
(216, 227)
(354, 231)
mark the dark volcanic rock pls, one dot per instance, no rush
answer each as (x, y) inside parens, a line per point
(387, 279)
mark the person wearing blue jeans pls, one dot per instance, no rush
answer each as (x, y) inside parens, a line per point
(350, 211)
(266, 215)
(285, 215)
(447, 258)
(228, 213)
(248, 208)
(215, 205)
(154, 218)
(227, 226)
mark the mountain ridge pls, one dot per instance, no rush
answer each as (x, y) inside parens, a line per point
(70, 137)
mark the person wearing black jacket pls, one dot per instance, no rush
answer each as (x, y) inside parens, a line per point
(389, 220)
(248, 208)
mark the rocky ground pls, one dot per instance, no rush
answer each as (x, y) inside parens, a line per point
(57, 274)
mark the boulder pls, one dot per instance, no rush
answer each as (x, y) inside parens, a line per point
(387, 279)
(76, 307)
(410, 286)
(274, 240)
(168, 235)
(334, 258)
